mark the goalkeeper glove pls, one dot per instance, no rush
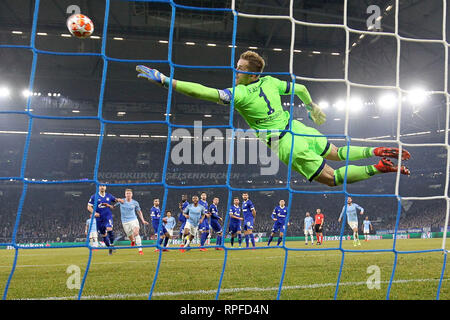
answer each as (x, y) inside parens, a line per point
(152, 75)
(315, 114)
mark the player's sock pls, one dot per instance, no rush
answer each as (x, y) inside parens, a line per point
(355, 153)
(279, 240)
(252, 239)
(312, 239)
(247, 240)
(240, 239)
(166, 240)
(138, 241)
(270, 240)
(354, 174)
(203, 238)
(111, 237)
(232, 241)
(161, 240)
(106, 241)
(188, 242)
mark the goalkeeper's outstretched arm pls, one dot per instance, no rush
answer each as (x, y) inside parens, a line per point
(191, 89)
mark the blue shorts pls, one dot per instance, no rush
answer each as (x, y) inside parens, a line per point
(182, 227)
(155, 227)
(233, 228)
(248, 224)
(216, 226)
(278, 227)
(204, 226)
(103, 224)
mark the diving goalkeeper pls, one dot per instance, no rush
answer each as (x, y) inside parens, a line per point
(257, 99)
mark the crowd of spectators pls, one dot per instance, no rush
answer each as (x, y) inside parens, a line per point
(58, 213)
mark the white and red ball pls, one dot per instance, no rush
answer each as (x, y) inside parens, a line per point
(80, 26)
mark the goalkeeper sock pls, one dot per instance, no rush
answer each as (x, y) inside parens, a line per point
(354, 174)
(355, 153)
(252, 239)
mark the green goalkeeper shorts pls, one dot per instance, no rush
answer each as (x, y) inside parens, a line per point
(308, 152)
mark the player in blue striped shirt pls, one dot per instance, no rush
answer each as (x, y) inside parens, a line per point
(235, 221)
(215, 218)
(183, 204)
(279, 217)
(249, 213)
(155, 213)
(352, 218)
(103, 214)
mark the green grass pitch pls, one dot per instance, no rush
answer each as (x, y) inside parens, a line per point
(249, 274)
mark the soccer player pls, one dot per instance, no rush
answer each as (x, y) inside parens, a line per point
(93, 235)
(352, 218)
(183, 204)
(235, 222)
(103, 214)
(163, 235)
(249, 213)
(130, 223)
(318, 226)
(307, 228)
(170, 224)
(204, 227)
(215, 218)
(367, 227)
(257, 99)
(279, 216)
(195, 214)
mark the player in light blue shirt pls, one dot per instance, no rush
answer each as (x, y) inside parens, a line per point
(184, 203)
(170, 224)
(204, 226)
(249, 213)
(128, 210)
(352, 218)
(367, 227)
(195, 214)
(93, 235)
(279, 217)
(308, 228)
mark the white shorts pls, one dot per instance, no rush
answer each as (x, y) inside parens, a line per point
(93, 235)
(129, 226)
(193, 230)
(353, 224)
(308, 232)
(170, 231)
(366, 230)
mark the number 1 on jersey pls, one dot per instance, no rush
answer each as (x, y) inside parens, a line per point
(262, 94)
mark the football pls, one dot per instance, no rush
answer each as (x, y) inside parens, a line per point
(80, 26)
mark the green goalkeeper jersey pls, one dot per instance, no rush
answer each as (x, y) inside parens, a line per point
(259, 102)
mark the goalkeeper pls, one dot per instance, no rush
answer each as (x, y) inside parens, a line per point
(258, 101)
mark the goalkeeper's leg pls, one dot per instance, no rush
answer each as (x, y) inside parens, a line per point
(358, 153)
